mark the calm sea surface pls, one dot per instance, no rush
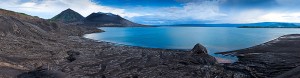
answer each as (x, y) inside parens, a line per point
(215, 39)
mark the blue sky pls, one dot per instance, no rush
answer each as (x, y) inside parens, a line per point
(137, 3)
(168, 11)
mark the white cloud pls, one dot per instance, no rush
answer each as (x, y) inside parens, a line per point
(204, 11)
(247, 16)
(209, 11)
(201, 10)
(281, 17)
(49, 8)
(212, 11)
(259, 15)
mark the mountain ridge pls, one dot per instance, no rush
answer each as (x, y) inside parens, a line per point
(98, 19)
(107, 19)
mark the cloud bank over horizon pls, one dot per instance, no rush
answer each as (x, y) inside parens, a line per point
(49, 8)
(168, 11)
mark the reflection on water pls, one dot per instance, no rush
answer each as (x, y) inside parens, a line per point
(215, 39)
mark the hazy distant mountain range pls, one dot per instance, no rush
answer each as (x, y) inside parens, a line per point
(246, 25)
(70, 16)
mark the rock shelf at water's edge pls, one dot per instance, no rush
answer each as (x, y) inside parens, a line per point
(271, 59)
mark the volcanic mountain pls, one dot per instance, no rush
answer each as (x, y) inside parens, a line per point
(107, 19)
(68, 16)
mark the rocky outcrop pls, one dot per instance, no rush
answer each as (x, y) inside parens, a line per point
(72, 55)
(270, 59)
(199, 49)
(294, 73)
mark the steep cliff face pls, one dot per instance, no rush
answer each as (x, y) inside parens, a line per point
(68, 16)
(107, 19)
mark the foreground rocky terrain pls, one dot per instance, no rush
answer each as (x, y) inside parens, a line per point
(32, 47)
(86, 58)
(277, 58)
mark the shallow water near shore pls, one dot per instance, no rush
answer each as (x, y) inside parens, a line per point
(215, 39)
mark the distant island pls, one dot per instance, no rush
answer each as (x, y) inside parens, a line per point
(273, 25)
(268, 27)
(246, 25)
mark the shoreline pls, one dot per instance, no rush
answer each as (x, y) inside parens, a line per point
(219, 59)
(275, 58)
(67, 55)
(234, 66)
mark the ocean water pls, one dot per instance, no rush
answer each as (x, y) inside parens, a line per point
(215, 39)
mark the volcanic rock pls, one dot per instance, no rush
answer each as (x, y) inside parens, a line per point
(270, 59)
(199, 49)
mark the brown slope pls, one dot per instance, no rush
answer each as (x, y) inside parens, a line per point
(18, 15)
(11, 26)
(23, 25)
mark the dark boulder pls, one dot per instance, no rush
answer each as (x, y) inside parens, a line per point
(42, 73)
(72, 55)
(199, 49)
